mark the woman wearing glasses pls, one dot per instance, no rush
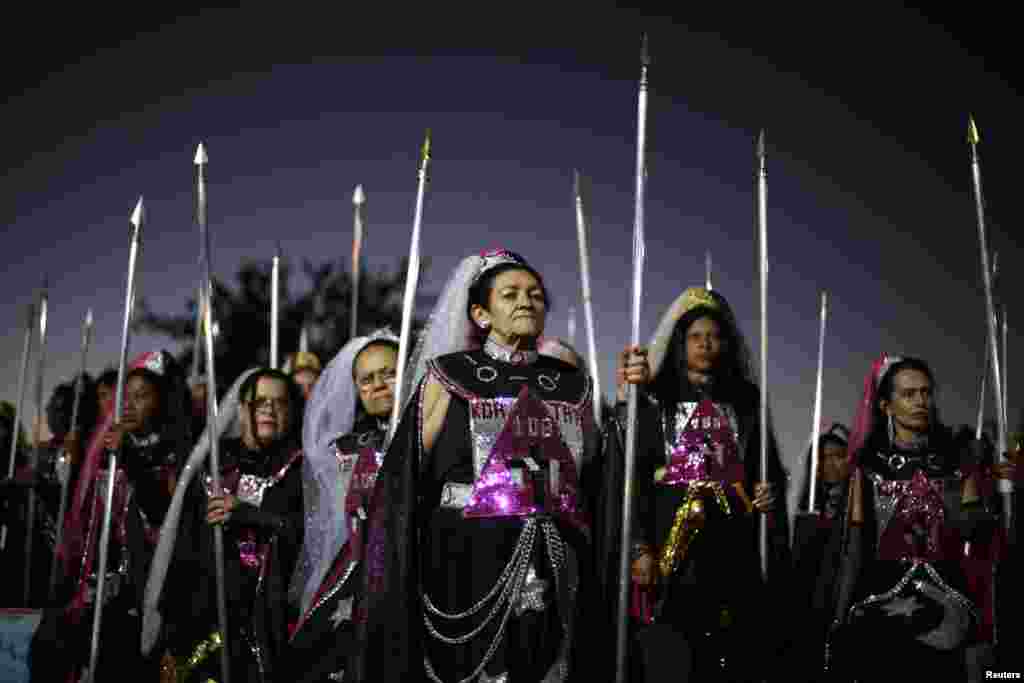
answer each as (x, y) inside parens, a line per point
(260, 508)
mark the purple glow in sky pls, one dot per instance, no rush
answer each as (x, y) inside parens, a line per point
(869, 189)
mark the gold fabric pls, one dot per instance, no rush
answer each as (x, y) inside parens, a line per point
(178, 669)
(689, 520)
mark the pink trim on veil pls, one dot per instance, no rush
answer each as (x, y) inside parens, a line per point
(863, 424)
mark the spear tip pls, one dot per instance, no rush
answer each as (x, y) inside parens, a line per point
(359, 197)
(576, 182)
(137, 214)
(972, 131)
(88, 318)
(760, 145)
(645, 55)
(201, 158)
(426, 146)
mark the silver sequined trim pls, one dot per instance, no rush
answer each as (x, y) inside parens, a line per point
(511, 356)
(885, 505)
(455, 495)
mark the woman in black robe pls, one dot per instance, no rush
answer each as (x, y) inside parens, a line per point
(917, 532)
(344, 430)
(478, 557)
(152, 437)
(261, 511)
(699, 496)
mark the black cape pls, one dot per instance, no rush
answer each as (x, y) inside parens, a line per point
(412, 540)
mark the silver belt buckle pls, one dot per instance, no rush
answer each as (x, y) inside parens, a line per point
(455, 496)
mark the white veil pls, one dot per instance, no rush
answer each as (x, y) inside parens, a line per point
(448, 329)
(227, 424)
(330, 413)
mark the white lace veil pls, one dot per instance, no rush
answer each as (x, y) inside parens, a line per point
(227, 424)
(448, 329)
(330, 413)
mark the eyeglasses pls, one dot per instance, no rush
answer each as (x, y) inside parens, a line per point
(277, 404)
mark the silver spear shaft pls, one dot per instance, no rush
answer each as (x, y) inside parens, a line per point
(762, 225)
(816, 426)
(411, 280)
(201, 160)
(583, 234)
(631, 426)
(358, 200)
(137, 220)
(66, 477)
(30, 512)
(1005, 486)
(275, 307)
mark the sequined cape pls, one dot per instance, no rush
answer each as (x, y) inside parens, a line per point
(322, 640)
(256, 600)
(412, 541)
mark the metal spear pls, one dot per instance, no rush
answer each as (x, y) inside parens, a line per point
(762, 231)
(26, 350)
(583, 234)
(201, 161)
(816, 427)
(707, 271)
(1006, 377)
(275, 304)
(631, 426)
(358, 200)
(65, 479)
(411, 280)
(979, 428)
(1005, 485)
(137, 220)
(30, 513)
(197, 340)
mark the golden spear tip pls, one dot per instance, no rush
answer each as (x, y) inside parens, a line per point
(972, 131)
(426, 146)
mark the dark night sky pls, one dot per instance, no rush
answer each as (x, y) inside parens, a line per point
(869, 186)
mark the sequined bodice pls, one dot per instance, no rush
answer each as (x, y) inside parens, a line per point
(702, 442)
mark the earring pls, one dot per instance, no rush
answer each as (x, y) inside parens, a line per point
(485, 324)
(892, 431)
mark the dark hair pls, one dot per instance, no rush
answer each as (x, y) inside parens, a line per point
(174, 422)
(107, 378)
(887, 386)
(60, 408)
(732, 370)
(296, 403)
(480, 291)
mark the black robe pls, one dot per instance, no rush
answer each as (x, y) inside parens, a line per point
(868, 566)
(324, 637)
(64, 637)
(712, 608)
(255, 590)
(416, 545)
